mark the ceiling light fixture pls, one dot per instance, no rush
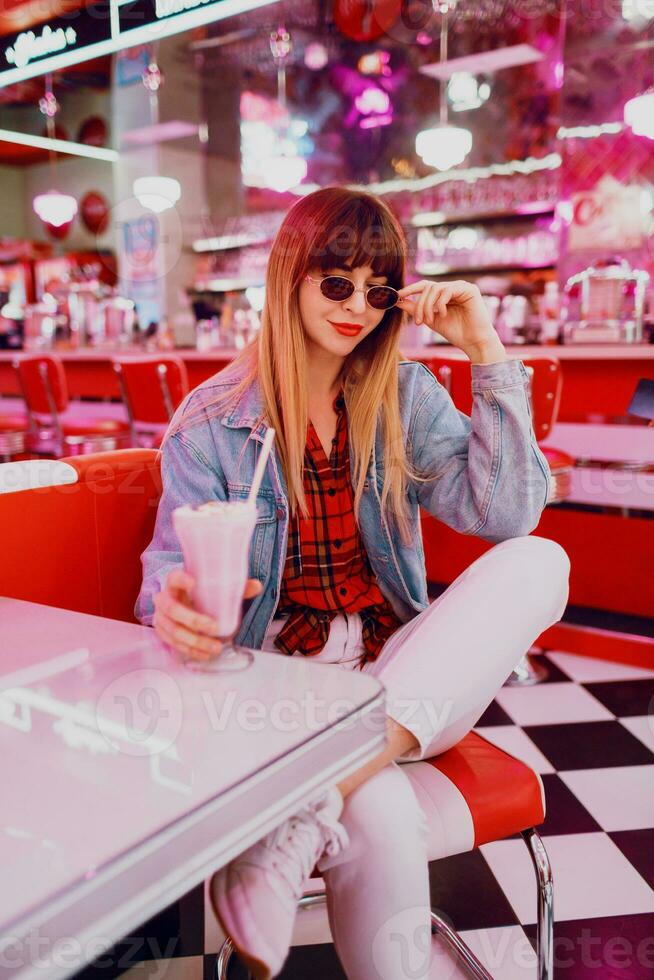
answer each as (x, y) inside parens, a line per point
(157, 193)
(316, 56)
(444, 146)
(284, 168)
(637, 9)
(639, 114)
(53, 207)
(154, 192)
(466, 92)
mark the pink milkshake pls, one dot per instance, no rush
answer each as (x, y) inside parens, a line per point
(215, 541)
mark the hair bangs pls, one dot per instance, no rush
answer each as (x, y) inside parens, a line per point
(359, 233)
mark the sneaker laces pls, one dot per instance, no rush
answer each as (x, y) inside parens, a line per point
(294, 851)
(327, 811)
(302, 839)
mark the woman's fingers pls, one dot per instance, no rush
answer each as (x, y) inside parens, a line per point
(438, 294)
(183, 636)
(407, 304)
(443, 299)
(180, 625)
(425, 308)
(432, 301)
(186, 651)
(414, 287)
(174, 607)
(428, 304)
(418, 313)
(165, 633)
(181, 583)
(252, 588)
(183, 639)
(421, 308)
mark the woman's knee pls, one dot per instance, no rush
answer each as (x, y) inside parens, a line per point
(542, 572)
(536, 556)
(384, 811)
(549, 563)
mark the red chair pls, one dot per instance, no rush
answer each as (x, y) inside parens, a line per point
(111, 510)
(152, 388)
(43, 384)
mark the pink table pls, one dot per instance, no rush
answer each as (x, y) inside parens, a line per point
(128, 779)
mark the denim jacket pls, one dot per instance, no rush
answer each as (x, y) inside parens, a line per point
(490, 479)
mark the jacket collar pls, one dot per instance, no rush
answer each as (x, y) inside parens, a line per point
(248, 409)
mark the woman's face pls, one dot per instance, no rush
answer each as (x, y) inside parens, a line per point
(321, 316)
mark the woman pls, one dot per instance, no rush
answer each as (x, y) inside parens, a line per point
(364, 438)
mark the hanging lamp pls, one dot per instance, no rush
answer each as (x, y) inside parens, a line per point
(444, 146)
(155, 192)
(639, 114)
(284, 168)
(53, 207)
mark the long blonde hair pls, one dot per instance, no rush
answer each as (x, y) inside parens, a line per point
(322, 231)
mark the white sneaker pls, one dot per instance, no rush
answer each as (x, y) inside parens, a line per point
(255, 898)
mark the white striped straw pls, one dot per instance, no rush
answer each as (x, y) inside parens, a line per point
(261, 465)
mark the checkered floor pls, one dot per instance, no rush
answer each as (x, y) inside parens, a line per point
(589, 729)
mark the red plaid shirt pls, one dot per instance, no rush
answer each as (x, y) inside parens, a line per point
(327, 570)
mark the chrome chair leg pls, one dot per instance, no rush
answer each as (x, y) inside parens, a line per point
(451, 938)
(223, 958)
(545, 927)
(461, 950)
(528, 672)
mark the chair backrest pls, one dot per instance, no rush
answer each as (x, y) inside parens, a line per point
(78, 546)
(546, 382)
(546, 387)
(152, 387)
(43, 384)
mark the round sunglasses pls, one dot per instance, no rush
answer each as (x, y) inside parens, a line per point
(340, 288)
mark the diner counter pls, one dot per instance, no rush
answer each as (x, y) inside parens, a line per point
(598, 379)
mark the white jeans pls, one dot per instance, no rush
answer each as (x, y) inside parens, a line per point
(441, 670)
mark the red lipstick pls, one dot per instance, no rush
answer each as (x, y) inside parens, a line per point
(347, 329)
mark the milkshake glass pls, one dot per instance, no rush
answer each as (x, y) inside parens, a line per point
(215, 540)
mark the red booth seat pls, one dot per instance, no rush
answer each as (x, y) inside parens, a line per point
(78, 546)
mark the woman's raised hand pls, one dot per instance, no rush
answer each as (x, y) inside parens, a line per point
(179, 624)
(455, 310)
